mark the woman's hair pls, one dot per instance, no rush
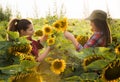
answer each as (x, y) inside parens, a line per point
(17, 25)
(103, 26)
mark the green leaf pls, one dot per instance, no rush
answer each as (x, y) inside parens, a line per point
(101, 50)
(4, 77)
(25, 64)
(98, 65)
(85, 53)
(23, 40)
(13, 35)
(4, 44)
(105, 52)
(109, 56)
(73, 78)
(12, 69)
(89, 76)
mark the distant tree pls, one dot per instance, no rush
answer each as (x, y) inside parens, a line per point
(1, 14)
(5, 14)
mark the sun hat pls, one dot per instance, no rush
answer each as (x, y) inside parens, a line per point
(97, 14)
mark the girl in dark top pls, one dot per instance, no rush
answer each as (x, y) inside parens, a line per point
(25, 28)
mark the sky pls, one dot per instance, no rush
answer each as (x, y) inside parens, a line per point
(72, 8)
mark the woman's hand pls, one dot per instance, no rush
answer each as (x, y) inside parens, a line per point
(71, 37)
(42, 56)
(68, 35)
(43, 38)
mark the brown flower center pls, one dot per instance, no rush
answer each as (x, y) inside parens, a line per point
(57, 64)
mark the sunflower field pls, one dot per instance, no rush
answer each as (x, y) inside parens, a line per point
(63, 63)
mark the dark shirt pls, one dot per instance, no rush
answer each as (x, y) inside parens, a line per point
(36, 45)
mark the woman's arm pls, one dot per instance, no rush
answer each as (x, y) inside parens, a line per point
(43, 38)
(42, 56)
(71, 37)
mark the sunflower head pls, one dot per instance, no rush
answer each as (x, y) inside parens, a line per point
(58, 66)
(82, 39)
(22, 48)
(11, 79)
(63, 24)
(49, 59)
(18, 54)
(27, 77)
(112, 72)
(29, 57)
(57, 25)
(117, 50)
(51, 41)
(26, 48)
(90, 59)
(39, 33)
(47, 29)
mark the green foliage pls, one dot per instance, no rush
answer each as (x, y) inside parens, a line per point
(5, 14)
(12, 69)
(26, 64)
(11, 64)
(3, 26)
(114, 25)
(13, 35)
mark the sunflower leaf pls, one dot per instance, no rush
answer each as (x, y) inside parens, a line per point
(89, 76)
(73, 78)
(98, 65)
(4, 77)
(27, 64)
(4, 44)
(101, 50)
(13, 35)
(85, 53)
(12, 69)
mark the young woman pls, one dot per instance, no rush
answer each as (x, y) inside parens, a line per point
(25, 28)
(101, 33)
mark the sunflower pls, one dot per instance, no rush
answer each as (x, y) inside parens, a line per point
(57, 25)
(39, 33)
(11, 79)
(111, 73)
(47, 29)
(49, 59)
(63, 24)
(82, 39)
(58, 66)
(18, 54)
(90, 59)
(29, 57)
(51, 41)
(26, 48)
(23, 48)
(117, 49)
(28, 77)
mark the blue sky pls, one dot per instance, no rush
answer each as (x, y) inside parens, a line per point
(73, 8)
